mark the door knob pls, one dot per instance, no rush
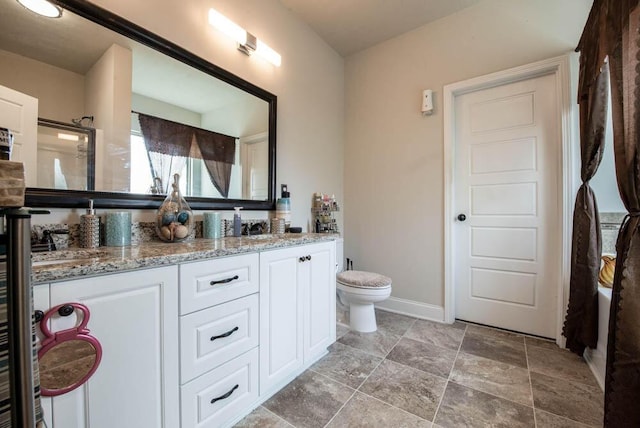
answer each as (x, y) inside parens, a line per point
(462, 217)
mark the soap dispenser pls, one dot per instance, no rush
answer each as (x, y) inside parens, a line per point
(283, 207)
(90, 228)
(237, 223)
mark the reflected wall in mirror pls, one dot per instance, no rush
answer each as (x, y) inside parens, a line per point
(69, 68)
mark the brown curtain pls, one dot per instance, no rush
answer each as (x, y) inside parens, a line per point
(622, 383)
(613, 29)
(581, 322)
(169, 144)
(166, 137)
(218, 152)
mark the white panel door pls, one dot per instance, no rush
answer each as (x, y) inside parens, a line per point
(507, 181)
(19, 114)
(281, 325)
(318, 277)
(134, 315)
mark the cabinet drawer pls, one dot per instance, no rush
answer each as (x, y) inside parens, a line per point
(211, 282)
(233, 326)
(233, 387)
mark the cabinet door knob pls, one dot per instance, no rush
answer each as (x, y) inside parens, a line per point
(39, 315)
(227, 395)
(301, 259)
(65, 310)
(224, 281)
(462, 217)
(223, 335)
(308, 257)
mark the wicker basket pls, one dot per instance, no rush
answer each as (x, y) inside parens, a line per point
(12, 184)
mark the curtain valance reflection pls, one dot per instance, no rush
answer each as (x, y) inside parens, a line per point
(169, 144)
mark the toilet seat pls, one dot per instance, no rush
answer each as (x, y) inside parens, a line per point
(361, 279)
(360, 290)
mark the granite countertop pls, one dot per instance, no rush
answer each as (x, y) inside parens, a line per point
(79, 262)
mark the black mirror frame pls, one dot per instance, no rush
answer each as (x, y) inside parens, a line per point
(51, 198)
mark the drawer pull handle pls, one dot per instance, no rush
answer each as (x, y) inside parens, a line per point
(227, 334)
(224, 281)
(227, 395)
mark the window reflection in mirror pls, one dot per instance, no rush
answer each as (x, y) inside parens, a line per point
(76, 68)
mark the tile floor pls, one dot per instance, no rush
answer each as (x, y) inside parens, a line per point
(416, 373)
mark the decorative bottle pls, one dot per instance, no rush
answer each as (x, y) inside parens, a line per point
(174, 220)
(90, 228)
(237, 222)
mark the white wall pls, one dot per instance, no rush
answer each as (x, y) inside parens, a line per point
(309, 86)
(158, 108)
(108, 100)
(394, 156)
(45, 82)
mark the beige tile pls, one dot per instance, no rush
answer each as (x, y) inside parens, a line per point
(573, 400)
(341, 330)
(504, 380)
(466, 407)
(560, 363)
(393, 323)
(363, 411)
(423, 356)
(378, 343)
(506, 350)
(495, 333)
(347, 365)
(412, 390)
(444, 335)
(262, 418)
(549, 420)
(310, 400)
(540, 343)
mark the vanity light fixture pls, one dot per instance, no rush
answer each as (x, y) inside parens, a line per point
(247, 42)
(42, 7)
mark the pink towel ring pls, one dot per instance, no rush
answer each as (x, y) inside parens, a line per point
(60, 338)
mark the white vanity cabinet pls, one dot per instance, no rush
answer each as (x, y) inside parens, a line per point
(134, 315)
(41, 303)
(199, 344)
(297, 310)
(218, 340)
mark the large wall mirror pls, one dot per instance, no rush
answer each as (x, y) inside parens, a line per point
(154, 110)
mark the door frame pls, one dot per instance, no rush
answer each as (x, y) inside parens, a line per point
(563, 68)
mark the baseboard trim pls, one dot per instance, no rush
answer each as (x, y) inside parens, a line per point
(597, 363)
(412, 308)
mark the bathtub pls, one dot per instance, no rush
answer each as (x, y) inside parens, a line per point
(597, 358)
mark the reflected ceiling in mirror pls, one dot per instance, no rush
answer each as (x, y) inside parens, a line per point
(76, 68)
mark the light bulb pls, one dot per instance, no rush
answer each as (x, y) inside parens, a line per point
(42, 7)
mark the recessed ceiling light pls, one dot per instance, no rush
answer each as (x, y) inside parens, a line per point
(42, 7)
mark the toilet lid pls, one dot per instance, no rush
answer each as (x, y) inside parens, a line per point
(361, 279)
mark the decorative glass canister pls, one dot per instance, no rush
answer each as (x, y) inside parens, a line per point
(174, 220)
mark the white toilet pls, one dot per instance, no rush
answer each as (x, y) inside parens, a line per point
(360, 290)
